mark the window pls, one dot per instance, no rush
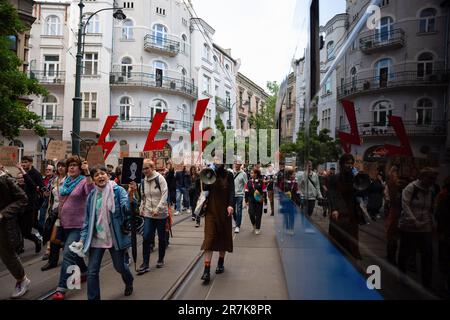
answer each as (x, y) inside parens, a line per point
(161, 11)
(354, 77)
(89, 105)
(13, 43)
(127, 30)
(326, 119)
(207, 119)
(241, 99)
(49, 107)
(128, 4)
(330, 50)
(159, 34)
(427, 20)
(242, 122)
(425, 65)
(384, 3)
(160, 69)
(385, 30)
(51, 66)
(206, 52)
(288, 124)
(289, 100)
(125, 108)
(381, 111)
(206, 84)
(184, 43)
(52, 26)
(216, 63)
(94, 23)
(327, 87)
(424, 113)
(228, 98)
(18, 144)
(185, 115)
(159, 106)
(184, 22)
(384, 72)
(183, 74)
(90, 64)
(127, 67)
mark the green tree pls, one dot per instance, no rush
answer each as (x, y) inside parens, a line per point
(14, 83)
(322, 147)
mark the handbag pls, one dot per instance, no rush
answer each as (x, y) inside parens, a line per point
(202, 203)
(48, 226)
(56, 236)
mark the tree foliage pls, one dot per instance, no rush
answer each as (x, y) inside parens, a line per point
(322, 147)
(14, 83)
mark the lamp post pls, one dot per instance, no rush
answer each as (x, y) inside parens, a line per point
(244, 103)
(76, 119)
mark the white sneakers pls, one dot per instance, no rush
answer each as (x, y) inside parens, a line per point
(177, 213)
(237, 230)
(21, 288)
(257, 232)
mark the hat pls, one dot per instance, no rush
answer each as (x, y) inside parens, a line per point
(238, 160)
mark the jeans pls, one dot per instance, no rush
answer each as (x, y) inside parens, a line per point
(311, 206)
(70, 258)
(95, 260)
(150, 226)
(255, 212)
(182, 192)
(237, 215)
(8, 255)
(42, 216)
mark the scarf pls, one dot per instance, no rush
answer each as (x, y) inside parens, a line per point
(108, 205)
(70, 184)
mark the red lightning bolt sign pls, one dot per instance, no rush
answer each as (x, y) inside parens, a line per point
(405, 147)
(107, 146)
(151, 144)
(347, 139)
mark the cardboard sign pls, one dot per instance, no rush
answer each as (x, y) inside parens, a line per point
(124, 151)
(131, 170)
(95, 156)
(56, 150)
(9, 156)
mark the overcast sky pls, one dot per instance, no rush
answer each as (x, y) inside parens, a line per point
(264, 34)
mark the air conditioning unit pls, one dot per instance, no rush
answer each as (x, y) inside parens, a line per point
(173, 85)
(56, 80)
(120, 79)
(172, 47)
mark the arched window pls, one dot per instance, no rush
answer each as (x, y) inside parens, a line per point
(216, 63)
(125, 108)
(330, 50)
(19, 145)
(206, 52)
(49, 107)
(160, 69)
(127, 29)
(425, 65)
(354, 77)
(127, 67)
(184, 43)
(424, 114)
(158, 106)
(427, 20)
(159, 34)
(183, 75)
(52, 26)
(185, 115)
(381, 111)
(384, 32)
(94, 23)
(384, 72)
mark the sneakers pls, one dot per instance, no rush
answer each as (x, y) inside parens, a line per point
(193, 218)
(257, 232)
(58, 296)
(206, 277)
(128, 291)
(144, 268)
(160, 264)
(21, 288)
(220, 269)
(254, 228)
(197, 224)
(237, 230)
(177, 213)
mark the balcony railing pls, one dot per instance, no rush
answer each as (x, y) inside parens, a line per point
(55, 122)
(375, 40)
(46, 77)
(167, 44)
(140, 79)
(144, 124)
(392, 80)
(370, 129)
(222, 104)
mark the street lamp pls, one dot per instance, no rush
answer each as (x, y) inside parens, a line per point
(245, 103)
(119, 15)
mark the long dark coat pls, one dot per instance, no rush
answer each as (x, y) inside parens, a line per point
(342, 199)
(218, 226)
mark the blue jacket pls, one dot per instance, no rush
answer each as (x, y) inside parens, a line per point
(120, 240)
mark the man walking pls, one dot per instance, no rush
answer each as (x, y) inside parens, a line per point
(240, 180)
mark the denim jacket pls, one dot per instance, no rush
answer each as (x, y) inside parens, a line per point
(120, 240)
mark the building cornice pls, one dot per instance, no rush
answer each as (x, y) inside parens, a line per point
(250, 84)
(204, 24)
(336, 18)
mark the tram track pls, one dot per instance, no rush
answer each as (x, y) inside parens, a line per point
(108, 262)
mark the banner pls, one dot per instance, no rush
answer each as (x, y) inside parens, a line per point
(9, 156)
(56, 150)
(95, 156)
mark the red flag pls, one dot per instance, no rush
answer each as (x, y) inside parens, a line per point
(347, 139)
(405, 147)
(199, 113)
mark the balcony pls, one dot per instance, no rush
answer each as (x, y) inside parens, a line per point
(168, 45)
(370, 129)
(403, 79)
(55, 122)
(222, 105)
(144, 124)
(374, 40)
(149, 80)
(48, 78)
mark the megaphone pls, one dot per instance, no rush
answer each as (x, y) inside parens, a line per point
(208, 176)
(361, 182)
